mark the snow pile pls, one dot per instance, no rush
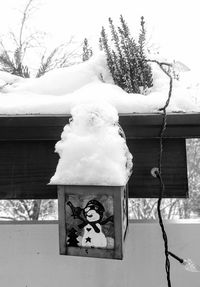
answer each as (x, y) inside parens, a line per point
(58, 91)
(91, 149)
(64, 80)
(8, 79)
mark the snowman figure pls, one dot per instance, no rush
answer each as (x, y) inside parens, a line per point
(92, 222)
(92, 234)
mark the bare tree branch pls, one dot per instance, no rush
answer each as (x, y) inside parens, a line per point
(25, 15)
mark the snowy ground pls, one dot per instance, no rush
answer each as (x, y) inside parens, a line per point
(58, 91)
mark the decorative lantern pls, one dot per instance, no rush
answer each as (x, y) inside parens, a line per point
(94, 167)
(93, 220)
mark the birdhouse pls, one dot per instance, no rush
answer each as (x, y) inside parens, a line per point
(93, 220)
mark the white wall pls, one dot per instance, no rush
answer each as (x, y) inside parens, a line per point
(29, 258)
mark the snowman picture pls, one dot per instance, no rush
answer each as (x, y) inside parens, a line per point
(92, 220)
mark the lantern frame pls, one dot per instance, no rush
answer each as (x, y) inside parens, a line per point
(117, 197)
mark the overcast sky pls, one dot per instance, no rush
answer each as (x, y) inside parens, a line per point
(172, 24)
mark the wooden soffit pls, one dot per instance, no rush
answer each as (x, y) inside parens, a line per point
(28, 159)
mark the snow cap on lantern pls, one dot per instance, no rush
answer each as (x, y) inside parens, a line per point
(92, 150)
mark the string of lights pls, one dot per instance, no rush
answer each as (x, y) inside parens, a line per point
(157, 172)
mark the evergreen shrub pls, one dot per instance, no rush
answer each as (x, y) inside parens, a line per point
(126, 57)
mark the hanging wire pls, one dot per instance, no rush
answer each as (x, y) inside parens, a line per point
(158, 171)
(188, 264)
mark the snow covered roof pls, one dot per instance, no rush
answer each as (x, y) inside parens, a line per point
(58, 91)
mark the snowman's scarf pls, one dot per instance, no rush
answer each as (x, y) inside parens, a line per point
(93, 224)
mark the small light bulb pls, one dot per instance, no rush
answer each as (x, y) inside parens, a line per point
(187, 263)
(190, 266)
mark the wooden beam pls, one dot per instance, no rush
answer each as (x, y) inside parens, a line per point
(174, 168)
(28, 160)
(49, 127)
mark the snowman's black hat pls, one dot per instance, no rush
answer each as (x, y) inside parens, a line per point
(96, 205)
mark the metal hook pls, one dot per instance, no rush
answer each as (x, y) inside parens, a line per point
(155, 171)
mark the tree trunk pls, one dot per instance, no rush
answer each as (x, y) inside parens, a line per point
(35, 212)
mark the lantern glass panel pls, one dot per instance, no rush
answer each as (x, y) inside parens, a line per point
(89, 221)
